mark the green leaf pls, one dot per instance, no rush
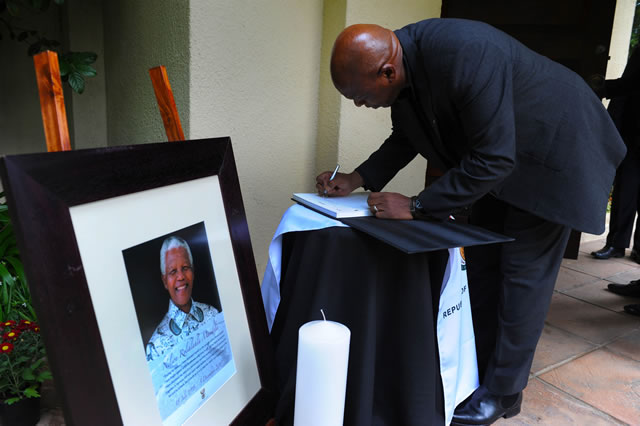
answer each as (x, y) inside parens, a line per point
(21, 359)
(36, 364)
(31, 392)
(45, 375)
(65, 67)
(4, 299)
(76, 82)
(16, 263)
(86, 70)
(12, 400)
(27, 374)
(6, 276)
(86, 58)
(6, 232)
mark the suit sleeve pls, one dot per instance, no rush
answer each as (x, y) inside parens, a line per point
(393, 155)
(479, 82)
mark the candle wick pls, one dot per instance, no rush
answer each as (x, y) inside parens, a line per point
(322, 312)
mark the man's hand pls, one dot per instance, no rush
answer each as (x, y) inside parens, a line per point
(389, 205)
(341, 185)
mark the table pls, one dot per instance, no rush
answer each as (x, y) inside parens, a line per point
(386, 298)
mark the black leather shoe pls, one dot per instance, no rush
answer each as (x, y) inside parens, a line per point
(607, 252)
(631, 289)
(485, 408)
(632, 309)
(635, 256)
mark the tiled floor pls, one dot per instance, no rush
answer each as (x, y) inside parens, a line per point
(586, 369)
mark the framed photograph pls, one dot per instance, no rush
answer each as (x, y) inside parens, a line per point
(143, 278)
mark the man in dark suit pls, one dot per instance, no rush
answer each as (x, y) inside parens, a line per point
(624, 109)
(519, 135)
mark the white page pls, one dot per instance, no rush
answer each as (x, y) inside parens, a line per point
(352, 205)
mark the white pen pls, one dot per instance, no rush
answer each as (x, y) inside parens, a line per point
(332, 176)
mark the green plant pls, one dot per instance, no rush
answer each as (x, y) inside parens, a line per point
(15, 298)
(23, 365)
(74, 66)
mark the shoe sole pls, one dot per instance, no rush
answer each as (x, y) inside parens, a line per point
(616, 256)
(511, 412)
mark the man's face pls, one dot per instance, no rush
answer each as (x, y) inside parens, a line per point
(371, 92)
(178, 277)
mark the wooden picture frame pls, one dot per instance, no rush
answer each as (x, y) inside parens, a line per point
(75, 212)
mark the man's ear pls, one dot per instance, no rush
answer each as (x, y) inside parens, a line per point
(164, 282)
(388, 71)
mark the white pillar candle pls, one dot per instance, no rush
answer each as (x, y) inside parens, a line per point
(321, 377)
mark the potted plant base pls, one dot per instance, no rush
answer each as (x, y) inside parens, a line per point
(25, 412)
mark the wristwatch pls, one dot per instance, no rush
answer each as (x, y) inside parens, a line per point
(415, 207)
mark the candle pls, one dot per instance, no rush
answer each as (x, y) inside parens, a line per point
(321, 377)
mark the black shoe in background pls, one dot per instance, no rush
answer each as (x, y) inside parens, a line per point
(635, 256)
(631, 289)
(607, 251)
(632, 309)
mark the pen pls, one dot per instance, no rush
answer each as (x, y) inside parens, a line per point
(332, 176)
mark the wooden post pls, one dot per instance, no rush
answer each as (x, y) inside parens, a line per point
(54, 115)
(166, 103)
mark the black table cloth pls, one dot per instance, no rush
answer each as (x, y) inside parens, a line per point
(387, 300)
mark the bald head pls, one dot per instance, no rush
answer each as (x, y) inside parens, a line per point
(366, 54)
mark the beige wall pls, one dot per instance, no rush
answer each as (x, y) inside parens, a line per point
(87, 113)
(252, 70)
(360, 131)
(139, 35)
(254, 76)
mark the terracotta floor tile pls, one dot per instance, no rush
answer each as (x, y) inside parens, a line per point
(568, 278)
(599, 268)
(593, 323)
(557, 345)
(598, 294)
(604, 380)
(628, 345)
(545, 405)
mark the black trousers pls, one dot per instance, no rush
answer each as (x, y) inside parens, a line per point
(510, 286)
(625, 202)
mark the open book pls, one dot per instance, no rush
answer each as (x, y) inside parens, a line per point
(353, 205)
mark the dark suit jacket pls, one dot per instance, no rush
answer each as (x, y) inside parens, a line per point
(501, 119)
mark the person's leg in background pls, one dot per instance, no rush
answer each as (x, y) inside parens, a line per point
(631, 194)
(624, 204)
